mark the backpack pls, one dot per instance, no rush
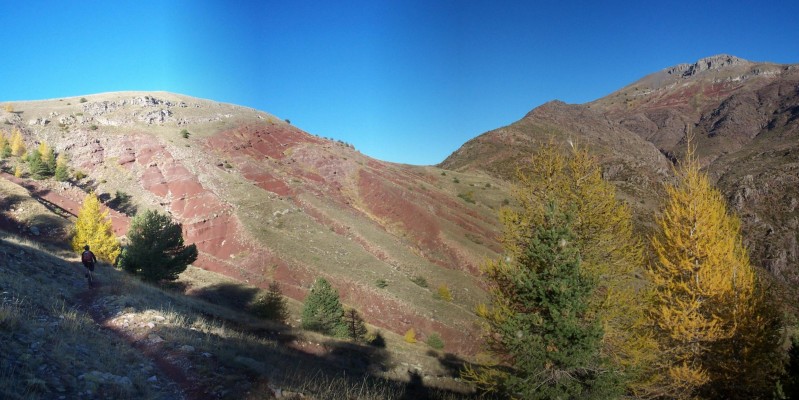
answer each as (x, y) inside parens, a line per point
(87, 257)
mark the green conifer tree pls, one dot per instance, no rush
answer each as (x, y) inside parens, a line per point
(61, 169)
(356, 328)
(156, 251)
(539, 324)
(37, 168)
(272, 305)
(322, 311)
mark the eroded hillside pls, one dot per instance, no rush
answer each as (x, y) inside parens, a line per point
(264, 200)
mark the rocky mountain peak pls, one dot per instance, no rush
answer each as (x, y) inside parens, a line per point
(713, 63)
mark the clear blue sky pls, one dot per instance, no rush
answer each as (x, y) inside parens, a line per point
(403, 81)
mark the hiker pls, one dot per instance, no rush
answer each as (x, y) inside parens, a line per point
(88, 260)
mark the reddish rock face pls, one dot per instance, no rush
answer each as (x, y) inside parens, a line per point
(295, 167)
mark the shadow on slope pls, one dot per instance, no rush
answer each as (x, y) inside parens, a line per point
(156, 343)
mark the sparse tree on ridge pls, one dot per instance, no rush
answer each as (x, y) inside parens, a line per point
(156, 251)
(93, 228)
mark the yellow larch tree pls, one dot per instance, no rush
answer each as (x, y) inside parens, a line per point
(44, 149)
(93, 228)
(709, 316)
(17, 143)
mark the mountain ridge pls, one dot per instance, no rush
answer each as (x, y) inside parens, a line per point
(743, 115)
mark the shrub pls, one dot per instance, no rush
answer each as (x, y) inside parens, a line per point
(419, 280)
(185, 134)
(93, 127)
(410, 336)
(467, 197)
(381, 283)
(443, 293)
(156, 251)
(456, 180)
(79, 175)
(375, 339)
(434, 341)
(83, 100)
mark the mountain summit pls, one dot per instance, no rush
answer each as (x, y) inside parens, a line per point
(744, 116)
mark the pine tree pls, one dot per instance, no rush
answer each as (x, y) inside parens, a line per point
(356, 327)
(61, 169)
(48, 159)
(272, 305)
(156, 251)
(17, 143)
(37, 168)
(322, 311)
(709, 313)
(93, 228)
(539, 320)
(610, 251)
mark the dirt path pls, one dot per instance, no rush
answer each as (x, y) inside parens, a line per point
(190, 386)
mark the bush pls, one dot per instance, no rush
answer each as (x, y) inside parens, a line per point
(434, 341)
(156, 251)
(419, 280)
(83, 100)
(93, 127)
(410, 336)
(443, 293)
(467, 197)
(456, 180)
(185, 134)
(381, 283)
(375, 339)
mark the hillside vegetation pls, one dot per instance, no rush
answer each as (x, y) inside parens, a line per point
(127, 339)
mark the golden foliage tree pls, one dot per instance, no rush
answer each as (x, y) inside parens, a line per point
(93, 228)
(410, 336)
(610, 253)
(714, 324)
(609, 249)
(43, 149)
(17, 143)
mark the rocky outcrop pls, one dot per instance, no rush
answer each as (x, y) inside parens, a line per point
(713, 63)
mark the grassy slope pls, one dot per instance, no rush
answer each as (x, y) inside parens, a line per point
(62, 339)
(297, 237)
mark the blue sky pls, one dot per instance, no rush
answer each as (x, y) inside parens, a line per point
(403, 81)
